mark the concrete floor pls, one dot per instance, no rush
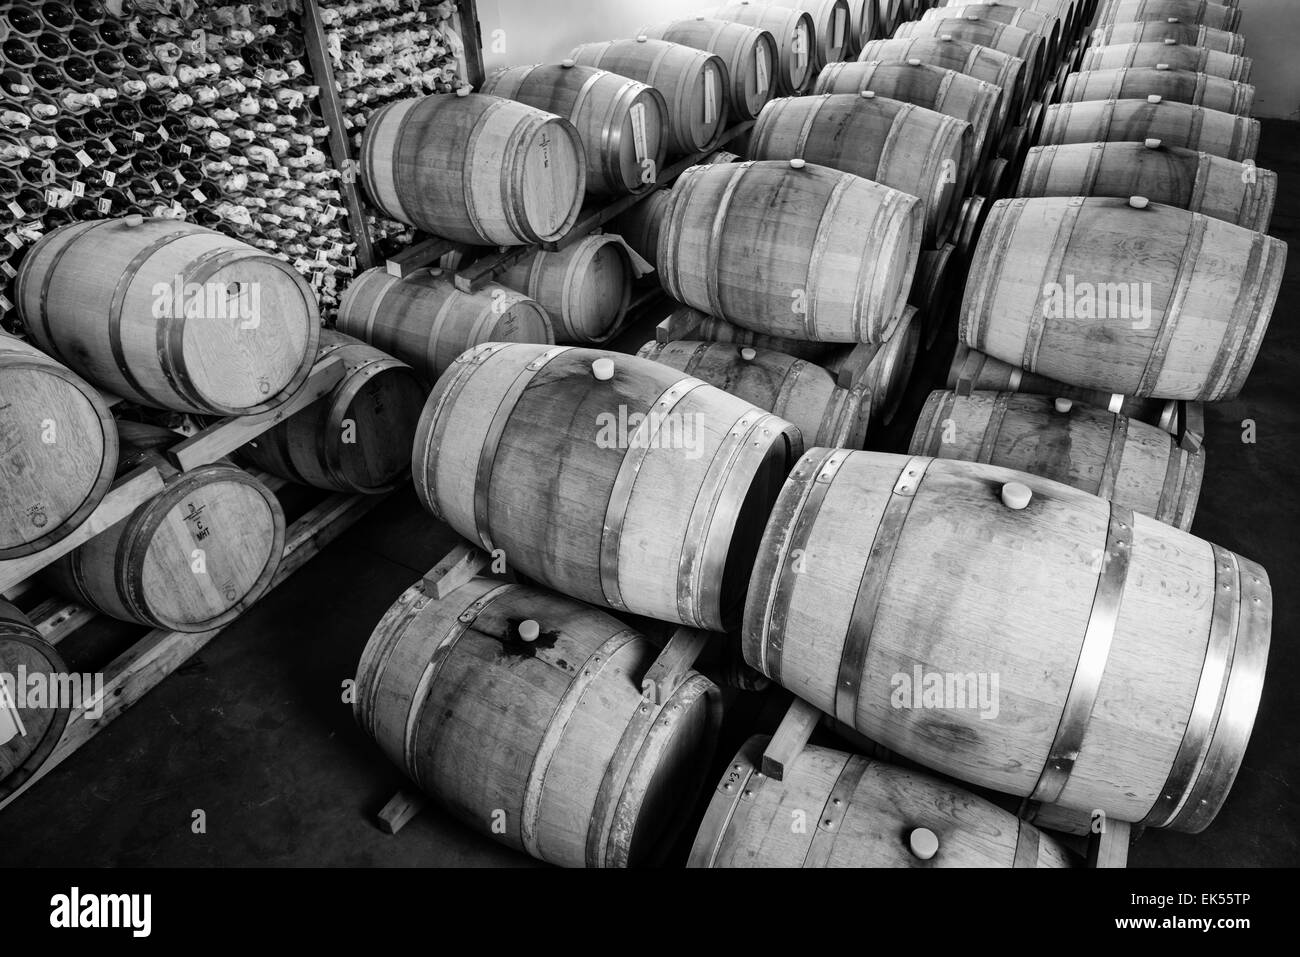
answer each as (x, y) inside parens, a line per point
(253, 730)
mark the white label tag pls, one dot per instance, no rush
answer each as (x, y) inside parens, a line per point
(8, 270)
(84, 158)
(17, 210)
(710, 95)
(108, 145)
(153, 184)
(138, 136)
(637, 114)
(761, 69)
(78, 189)
(162, 132)
(198, 194)
(105, 206)
(839, 27)
(187, 150)
(13, 240)
(109, 178)
(5, 304)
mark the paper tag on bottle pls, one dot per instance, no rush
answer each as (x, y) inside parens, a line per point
(108, 145)
(138, 136)
(16, 209)
(637, 115)
(838, 32)
(130, 194)
(153, 185)
(105, 206)
(710, 95)
(109, 178)
(187, 150)
(198, 194)
(13, 240)
(78, 189)
(179, 177)
(762, 69)
(8, 270)
(162, 132)
(84, 158)
(5, 304)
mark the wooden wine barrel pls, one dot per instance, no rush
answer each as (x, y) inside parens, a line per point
(974, 211)
(886, 367)
(936, 290)
(983, 63)
(640, 225)
(900, 145)
(750, 53)
(1161, 31)
(1222, 188)
(1128, 655)
(795, 35)
(711, 329)
(355, 439)
(794, 389)
(1174, 124)
(1174, 55)
(1123, 460)
(722, 157)
(191, 559)
(832, 22)
(1217, 15)
(1139, 83)
(622, 123)
(791, 249)
(972, 370)
(58, 450)
(475, 168)
(694, 84)
(1044, 22)
(425, 321)
(1073, 16)
(170, 315)
(30, 727)
(934, 88)
(890, 14)
(1152, 301)
(872, 814)
(862, 25)
(585, 288)
(1003, 37)
(518, 441)
(580, 769)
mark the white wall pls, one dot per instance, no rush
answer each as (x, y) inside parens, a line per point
(539, 31)
(1272, 32)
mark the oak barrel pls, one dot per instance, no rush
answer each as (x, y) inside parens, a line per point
(425, 321)
(58, 450)
(750, 53)
(1200, 182)
(693, 82)
(1148, 301)
(936, 291)
(857, 812)
(475, 168)
(934, 88)
(1003, 37)
(622, 123)
(1140, 83)
(1161, 31)
(640, 225)
(1220, 16)
(896, 144)
(791, 249)
(794, 389)
(711, 329)
(983, 63)
(549, 745)
(1126, 461)
(1176, 56)
(1174, 124)
(972, 370)
(190, 559)
(585, 288)
(170, 315)
(1059, 647)
(862, 25)
(795, 35)
(1045, 22)
(358, 437)
(32, 717)
(518, 441)
(885, 368)
(832, 22)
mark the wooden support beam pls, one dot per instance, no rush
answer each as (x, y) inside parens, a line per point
(796, 728)
(471, 34)
(679, 325)
(340, 146)
(478, 274)
(1110, 847)
(127, 494)
(457, 568)
(57, 618)
(400, 809)
(219, 440)
(427, 252)
(1192, 425)
(673, 663)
